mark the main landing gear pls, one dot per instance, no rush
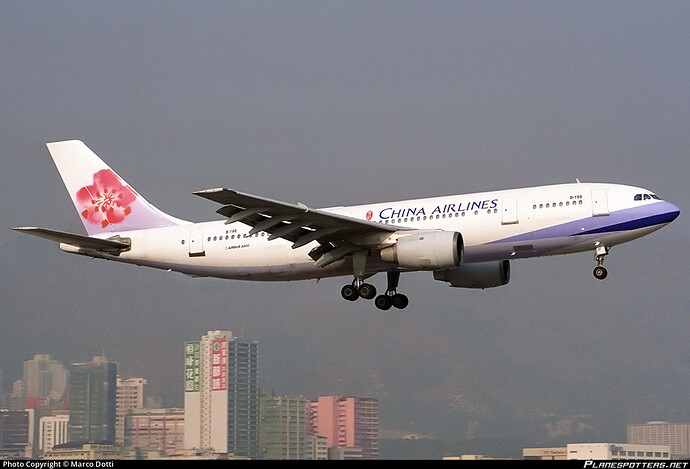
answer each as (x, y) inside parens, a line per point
(391, 297)
(360, 289)
(599, 271)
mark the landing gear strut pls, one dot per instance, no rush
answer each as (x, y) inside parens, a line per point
(359, 288)
(391, 297)
(599, 271)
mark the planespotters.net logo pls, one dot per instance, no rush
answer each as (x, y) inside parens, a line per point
(635, 464)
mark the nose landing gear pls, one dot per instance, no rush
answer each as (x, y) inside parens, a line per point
(599, 271)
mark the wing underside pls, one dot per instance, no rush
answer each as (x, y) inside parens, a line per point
(337, 235)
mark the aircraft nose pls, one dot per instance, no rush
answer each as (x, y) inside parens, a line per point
(668, 212)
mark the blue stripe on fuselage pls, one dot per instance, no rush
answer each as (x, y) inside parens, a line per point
(622, 220)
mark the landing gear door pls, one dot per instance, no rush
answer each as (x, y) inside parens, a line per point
(600, 203)
(196, 243)
(509, 215)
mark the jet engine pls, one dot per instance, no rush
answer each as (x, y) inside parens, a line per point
(480, 275)
(426, 250)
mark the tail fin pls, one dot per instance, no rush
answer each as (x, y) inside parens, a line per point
(105, 202)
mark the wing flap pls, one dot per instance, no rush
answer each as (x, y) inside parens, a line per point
(73, 239)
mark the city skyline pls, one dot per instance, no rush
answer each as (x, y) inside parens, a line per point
(224, 410)
(327, 103)
(131, 396)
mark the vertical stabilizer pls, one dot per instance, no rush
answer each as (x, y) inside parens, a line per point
(104, 201)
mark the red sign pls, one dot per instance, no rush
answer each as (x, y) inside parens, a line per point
(219, 365)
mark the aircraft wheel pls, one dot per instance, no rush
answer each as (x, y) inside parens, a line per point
(349, 292)
(400, 301)
(383, 302)
(600, 272)
(367, 291)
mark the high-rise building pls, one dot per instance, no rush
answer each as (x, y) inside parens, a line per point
(17, 397)
(675, 435)
(222, 395)
(317, 447)
(3, 398)
(45, 382)
(92, 401)
(283, 428)
(18, 433)
(347, 422)
(129, 395)
(53, 431)
(162, 429)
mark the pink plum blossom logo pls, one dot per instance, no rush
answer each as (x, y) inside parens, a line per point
(107, 201)
(370, 214)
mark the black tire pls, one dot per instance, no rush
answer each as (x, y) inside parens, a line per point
(349, 292)
(367, 291)
(400, 301)
(383, 302)
(600, 272)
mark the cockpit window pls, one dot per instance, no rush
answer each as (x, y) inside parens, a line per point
(646, 197)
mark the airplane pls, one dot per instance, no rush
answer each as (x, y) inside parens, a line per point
(465, 240)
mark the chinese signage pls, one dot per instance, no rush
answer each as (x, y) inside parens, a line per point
(219, 365)
(191, 366)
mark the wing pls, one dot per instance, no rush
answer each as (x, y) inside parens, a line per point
(337, 235)
(80, 241)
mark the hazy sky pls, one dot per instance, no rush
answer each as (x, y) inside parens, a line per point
(337, 103)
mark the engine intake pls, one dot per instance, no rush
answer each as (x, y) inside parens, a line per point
(480, 275)
(426, 250)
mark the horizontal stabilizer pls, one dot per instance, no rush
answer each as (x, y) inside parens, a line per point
(73, 239)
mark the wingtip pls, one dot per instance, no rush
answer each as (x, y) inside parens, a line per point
(63, 142)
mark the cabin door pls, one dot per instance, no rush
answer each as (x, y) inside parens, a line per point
(600, 203)
(509, 216)
(196, 243)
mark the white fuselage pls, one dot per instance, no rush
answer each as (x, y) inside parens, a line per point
(506, 224)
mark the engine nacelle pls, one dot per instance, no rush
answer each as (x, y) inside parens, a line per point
(480, 275)
(426, 250)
